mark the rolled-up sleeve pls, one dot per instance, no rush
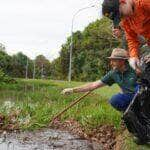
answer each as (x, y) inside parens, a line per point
(108, 78)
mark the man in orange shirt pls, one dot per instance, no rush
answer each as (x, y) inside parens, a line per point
(134, 18)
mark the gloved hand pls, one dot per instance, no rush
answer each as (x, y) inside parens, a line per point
(134, 62)
(67, 91)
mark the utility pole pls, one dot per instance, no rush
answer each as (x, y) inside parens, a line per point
(34, 69)
(71, 43)
(26, 69)
(42, 71)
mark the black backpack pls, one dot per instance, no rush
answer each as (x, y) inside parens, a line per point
(137, 115)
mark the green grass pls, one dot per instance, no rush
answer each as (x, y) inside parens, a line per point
(38, 101)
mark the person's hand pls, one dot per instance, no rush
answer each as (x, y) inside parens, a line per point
(138, 71)
(135, 64)
(116, 32)
(67, 91)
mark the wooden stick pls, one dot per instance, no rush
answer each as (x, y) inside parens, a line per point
(70, 105)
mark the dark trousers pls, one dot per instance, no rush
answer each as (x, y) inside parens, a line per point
(121, 101)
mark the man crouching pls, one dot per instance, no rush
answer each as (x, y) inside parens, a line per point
(122, 74)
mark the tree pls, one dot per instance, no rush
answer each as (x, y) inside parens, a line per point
(20, 62)
(5, 61)
(42, 67)
(91, 48)
(56, 70)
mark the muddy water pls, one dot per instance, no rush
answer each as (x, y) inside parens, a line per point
(47, 139)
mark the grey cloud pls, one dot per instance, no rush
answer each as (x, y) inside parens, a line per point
(41, 25)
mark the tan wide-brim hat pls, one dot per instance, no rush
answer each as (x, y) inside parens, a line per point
(119, 53)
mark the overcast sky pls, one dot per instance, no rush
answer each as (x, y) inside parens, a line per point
(41, 26)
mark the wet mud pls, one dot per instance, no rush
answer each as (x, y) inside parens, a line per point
(47, 139)
(105, 135)
(67, 135)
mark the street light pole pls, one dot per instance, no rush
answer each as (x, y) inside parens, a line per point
(27, 68)
(42, 71)
(33, 69)
(71, 43)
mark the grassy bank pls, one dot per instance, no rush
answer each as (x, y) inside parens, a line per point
(31, 104)
(35, 102)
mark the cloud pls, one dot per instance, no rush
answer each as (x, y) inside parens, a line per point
(41, 26)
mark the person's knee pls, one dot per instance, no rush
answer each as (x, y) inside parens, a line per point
(115, 101)
(120, 101)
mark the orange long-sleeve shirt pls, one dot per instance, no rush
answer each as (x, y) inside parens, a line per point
(137, 24)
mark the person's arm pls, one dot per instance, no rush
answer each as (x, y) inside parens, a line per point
(146, 6)
(131, 35)
(106, 80)
(89, 86)
(84, 88)
(133, 45)
(132, 40)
